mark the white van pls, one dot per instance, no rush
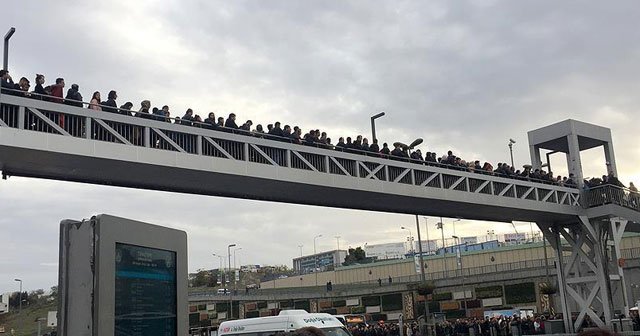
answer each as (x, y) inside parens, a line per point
(286, 321)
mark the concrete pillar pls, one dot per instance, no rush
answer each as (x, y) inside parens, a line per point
(611, 158)
(535, 157)
(574, 162)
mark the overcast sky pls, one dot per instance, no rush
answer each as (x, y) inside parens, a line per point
(465, 76)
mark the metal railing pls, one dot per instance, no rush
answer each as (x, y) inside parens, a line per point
(152, 131)
(611, 194)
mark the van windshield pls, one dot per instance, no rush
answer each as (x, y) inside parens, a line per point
(335, 331)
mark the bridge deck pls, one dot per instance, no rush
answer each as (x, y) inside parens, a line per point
(113, 149)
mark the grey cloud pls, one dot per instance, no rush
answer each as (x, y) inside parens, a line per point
(464, 76)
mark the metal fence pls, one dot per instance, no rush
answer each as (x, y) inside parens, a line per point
(610, 194)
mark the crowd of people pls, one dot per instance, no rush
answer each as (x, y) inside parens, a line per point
(279, 132)
(488, 326)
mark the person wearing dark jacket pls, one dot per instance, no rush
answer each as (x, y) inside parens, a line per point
(210, 122)
(73, 98)
(39, 89)
(385, 149)
(126, 108)
(231, 121)
(111, 103)
(187, 118)
(374, 146)
(6, 80)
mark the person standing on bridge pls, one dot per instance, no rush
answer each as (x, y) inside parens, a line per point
(73, 98)
(210, 122)
(94, 103)
(231, 122)
(110, 105)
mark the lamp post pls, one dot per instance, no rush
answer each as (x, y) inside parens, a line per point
(5, 62)
(230, 316)
(453, 223)
(411, 250)
(19, 295)
(459, 257)
(234, 256)
(235, 269)
(338, 241)
(300, 260)
(426, 227)
(315, 257)
(440, 225)
(221, 267)
(373, 125)
(511, 142)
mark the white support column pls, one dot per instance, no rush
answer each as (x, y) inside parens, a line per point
(618, 225)
(535, 157)
(574, 163)
(611, 158)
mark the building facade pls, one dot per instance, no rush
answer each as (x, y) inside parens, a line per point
(319, 262)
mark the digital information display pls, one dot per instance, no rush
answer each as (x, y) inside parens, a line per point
(145, 293)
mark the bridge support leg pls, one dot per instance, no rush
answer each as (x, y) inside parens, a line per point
(552, 234)
(584, 278)
(618, 225)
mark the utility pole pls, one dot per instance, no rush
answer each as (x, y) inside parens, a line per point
(440, 225)
(230, 316)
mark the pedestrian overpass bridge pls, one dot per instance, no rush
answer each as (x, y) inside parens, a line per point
(111, 149)
(55, 141)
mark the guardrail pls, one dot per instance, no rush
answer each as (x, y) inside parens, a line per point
(611, 194)
(222, 143)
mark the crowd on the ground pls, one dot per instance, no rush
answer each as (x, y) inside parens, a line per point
(489, 326)
(278, 132)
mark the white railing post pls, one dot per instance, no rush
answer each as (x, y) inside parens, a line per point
(20, 117)
(246, 151)
(199, 145)
(147, 136)
(88, 128)
(288, 158)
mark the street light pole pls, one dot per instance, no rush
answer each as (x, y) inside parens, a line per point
(453, 223)
(426, 227)
(221, 267)
(373, 125)
(5, 62)
(440, 225)
(315, 257)
(230, 296)
(511, 142)
(459, 257)
(19, 294)
(411, 250)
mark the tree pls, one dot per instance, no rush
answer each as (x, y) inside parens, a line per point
(355, 256)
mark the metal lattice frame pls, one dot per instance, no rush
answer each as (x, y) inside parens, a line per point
(583, 272)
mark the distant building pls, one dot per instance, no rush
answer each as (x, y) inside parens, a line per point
(385, 251)
(249, 268)
(428, 247)
(319, 262)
